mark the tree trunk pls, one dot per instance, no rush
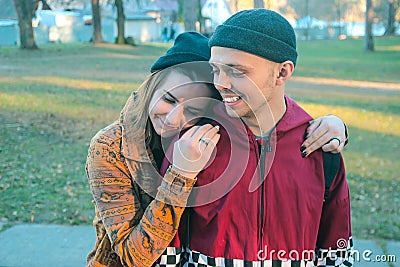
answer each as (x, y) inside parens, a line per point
(339, 16)
(233, 6)
(258, 3)
(390, 29)
(120, 22)
(368, 38)
(190, 13)
(269, 4)
(24, 10)
(45, 6)
(307, 12)
(97, 35)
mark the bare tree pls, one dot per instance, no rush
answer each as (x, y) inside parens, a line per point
(120, 22)
(190, 14)
(25, 11)
(338, 14)
(269, 4)
(368, 38)
(234, 5)
(390, 18)
(307, 12)
(258, 3)
(96, 15)
(45, 5)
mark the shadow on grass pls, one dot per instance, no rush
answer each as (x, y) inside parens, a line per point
(386, 101)
(62, 83)
(78, 102)
(84, 49)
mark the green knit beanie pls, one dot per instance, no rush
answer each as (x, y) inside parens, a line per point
(260, 32)
(188, 47)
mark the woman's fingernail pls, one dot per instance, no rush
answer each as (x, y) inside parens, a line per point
(302, 148)
(304, 154)
(305, 135)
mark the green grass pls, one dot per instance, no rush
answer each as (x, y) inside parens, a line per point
(346, 60)
(52, 102)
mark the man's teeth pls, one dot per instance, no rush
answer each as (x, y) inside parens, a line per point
(231, 99)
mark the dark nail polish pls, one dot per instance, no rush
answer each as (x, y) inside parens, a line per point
(304, 154)
(305, 135)
(302, 148)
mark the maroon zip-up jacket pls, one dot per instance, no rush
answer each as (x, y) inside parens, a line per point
(255, 200)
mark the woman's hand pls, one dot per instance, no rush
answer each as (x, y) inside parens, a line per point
(328, 132)
(194, 149)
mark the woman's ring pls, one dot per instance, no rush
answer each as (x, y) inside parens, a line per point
(201, 140)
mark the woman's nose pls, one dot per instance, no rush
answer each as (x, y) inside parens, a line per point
(175, 116)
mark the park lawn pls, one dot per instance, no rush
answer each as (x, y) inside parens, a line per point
(52, 102)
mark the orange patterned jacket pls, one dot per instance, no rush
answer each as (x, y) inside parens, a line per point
(136, 215)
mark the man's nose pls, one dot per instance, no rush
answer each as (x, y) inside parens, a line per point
(221, 81)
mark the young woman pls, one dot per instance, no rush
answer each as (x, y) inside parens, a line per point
(137, 211)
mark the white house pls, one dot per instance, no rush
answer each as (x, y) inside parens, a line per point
(215, 12)
(64, 26)
(9, 32)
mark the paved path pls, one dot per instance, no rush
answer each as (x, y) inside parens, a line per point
(37, 245)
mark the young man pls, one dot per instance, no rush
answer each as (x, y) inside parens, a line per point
(261, 201)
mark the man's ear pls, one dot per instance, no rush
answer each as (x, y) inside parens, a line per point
(285, 72)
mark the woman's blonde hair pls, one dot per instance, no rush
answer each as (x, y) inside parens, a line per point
(139, 117)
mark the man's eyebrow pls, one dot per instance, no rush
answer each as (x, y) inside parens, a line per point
(231, 65)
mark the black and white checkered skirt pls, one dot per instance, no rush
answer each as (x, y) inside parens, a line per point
(181, 257)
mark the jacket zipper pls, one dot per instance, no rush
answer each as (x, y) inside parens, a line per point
(265, 147)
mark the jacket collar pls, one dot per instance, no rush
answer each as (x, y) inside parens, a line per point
(294, 117)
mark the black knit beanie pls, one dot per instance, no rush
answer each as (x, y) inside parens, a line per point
(261, 32)
(188, 47)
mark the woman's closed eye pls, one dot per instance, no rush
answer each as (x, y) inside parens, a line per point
(168, 99)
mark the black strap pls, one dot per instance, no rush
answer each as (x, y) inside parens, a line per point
(331, 167)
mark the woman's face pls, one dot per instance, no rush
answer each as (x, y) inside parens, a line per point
(178, 103)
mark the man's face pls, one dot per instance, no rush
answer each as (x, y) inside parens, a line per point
(246, 82)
